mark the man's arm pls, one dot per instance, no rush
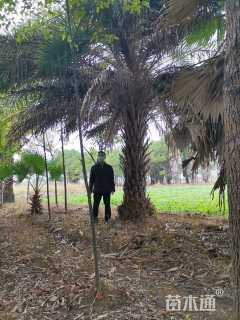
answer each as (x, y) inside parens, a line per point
(91, 180)
(112, 180)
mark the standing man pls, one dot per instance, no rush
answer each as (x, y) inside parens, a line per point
(102, 185)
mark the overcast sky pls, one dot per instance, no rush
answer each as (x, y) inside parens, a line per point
(74, 141)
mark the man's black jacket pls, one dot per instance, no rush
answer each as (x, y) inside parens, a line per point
(102, 178)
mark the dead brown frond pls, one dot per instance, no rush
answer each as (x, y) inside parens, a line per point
(200, 88)
(220, 185)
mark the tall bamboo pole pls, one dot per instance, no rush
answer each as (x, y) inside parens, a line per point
(47, 180)
(64, 169)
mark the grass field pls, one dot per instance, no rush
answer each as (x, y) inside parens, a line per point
(168, 198)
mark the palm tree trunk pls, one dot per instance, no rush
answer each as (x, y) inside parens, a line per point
(46, 169)
(135, 165)
(232, 137)
(64, 170)
(8, 194)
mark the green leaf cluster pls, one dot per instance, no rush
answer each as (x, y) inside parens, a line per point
(29, 165)
(55, 170)
(206, 31)
(6, 171)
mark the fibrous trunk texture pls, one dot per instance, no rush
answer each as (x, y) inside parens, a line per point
(8, 193)
(135, 165)
(232, 137)
(36, 203)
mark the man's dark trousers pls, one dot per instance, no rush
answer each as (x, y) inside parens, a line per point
(97, 196)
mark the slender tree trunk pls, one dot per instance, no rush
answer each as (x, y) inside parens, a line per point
(84, 170)
(135, 165)
(94, 240)
(64, 170)
(56, 193)
(1, 194)
(28, 188)
(46, 169)
(232, 137)
(79, 124)
(8, 194)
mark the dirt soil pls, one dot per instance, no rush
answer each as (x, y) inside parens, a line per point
(47, 269)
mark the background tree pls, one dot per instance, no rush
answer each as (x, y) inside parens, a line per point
(32, 167)
(159, 161)
(6, 172)
(56, 172)
(42, 96)
(72, 158)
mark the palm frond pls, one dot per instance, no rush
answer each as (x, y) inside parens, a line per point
(194, 22)
(187, 12)
(200, 88)
(98, 88)
(220, 185)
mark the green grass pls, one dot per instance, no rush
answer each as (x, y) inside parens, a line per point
(170, 198)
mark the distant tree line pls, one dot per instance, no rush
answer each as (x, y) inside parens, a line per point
(164, 167)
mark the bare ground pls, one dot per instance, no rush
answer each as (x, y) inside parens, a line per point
(46, 268)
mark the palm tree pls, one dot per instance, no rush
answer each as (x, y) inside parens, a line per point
(56, 172)
(222, 101)
(51, 99)
(47, 85)
(32, 167)
(232, 134)
(123, 100)
(132, 52)
(71, 32)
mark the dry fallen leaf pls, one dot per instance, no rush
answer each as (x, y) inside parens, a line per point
(53, 298)
(99, 295)
(102, 316)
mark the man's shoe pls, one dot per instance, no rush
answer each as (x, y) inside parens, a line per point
(107, 220)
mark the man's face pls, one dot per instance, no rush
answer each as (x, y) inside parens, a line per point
(101, 158)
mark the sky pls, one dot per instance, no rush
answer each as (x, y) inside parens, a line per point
(53, 138)
(73, 142)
